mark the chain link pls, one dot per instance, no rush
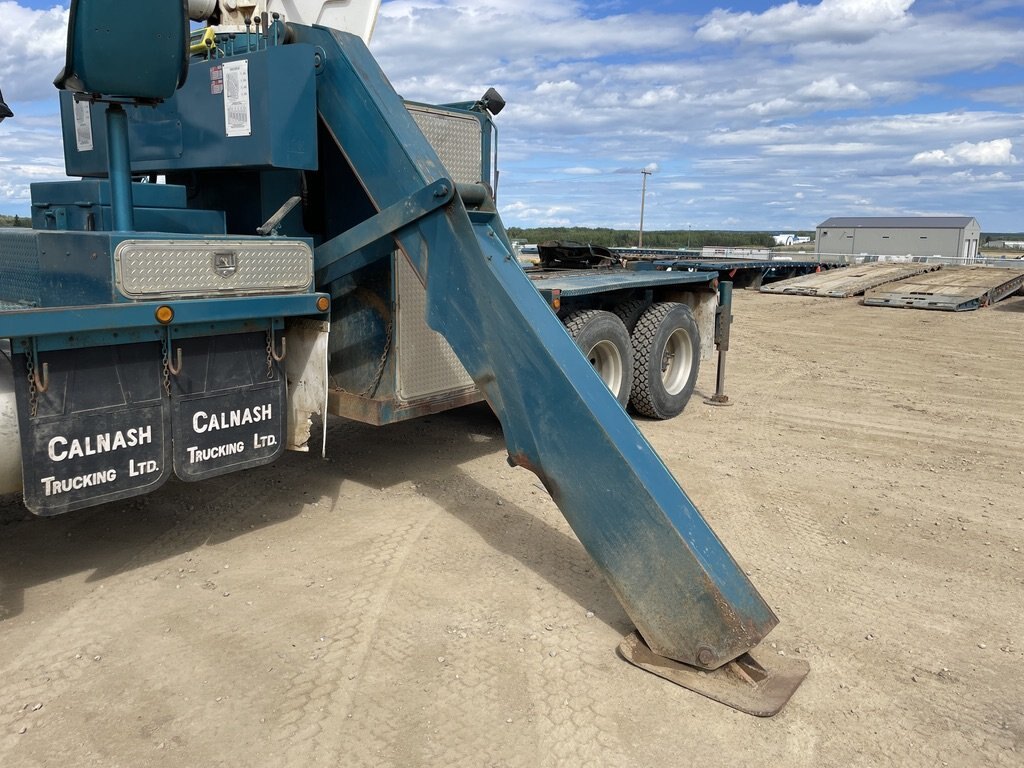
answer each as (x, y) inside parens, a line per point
(165, 352)
(270, 354)
(371, 388)
(33, 403)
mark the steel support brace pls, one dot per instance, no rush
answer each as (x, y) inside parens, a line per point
(678, 583)
(372, 239)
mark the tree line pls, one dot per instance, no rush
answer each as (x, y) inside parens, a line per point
(625, 238)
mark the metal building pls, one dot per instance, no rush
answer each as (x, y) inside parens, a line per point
(954, 237)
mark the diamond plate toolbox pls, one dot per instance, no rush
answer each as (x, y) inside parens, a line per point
(427, 365)
(153, 269)
(456, 139)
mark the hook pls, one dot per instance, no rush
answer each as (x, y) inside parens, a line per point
(273, 350)
(175, 368)
(44, 383)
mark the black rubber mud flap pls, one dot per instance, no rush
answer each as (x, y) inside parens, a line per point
(101, 430)
(759, 688)
(228, 405)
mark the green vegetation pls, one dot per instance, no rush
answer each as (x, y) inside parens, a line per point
(15, 221)
(624, 238)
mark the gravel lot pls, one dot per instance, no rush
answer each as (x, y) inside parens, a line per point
(414, 601)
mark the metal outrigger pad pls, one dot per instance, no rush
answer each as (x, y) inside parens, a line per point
(759, 688)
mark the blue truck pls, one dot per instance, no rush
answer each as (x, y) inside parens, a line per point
(261, 230)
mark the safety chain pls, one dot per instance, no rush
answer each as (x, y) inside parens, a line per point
(32, 398)
(165, 353)
(270, 354)
(371, 389)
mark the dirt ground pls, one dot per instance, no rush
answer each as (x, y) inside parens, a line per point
(414, 601)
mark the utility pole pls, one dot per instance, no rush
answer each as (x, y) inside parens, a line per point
(643, 199)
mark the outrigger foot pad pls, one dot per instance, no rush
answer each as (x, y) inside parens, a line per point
(759, 688)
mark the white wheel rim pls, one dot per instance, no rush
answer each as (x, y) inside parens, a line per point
(607, 361)
(677, 361)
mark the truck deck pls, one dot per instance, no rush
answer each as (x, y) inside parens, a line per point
(574, 282)
(745, 272)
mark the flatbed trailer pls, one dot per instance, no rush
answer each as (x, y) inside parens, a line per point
(852, 281)
(742, 272)
(950, 289)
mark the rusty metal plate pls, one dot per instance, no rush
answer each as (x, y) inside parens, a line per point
(954, 289)
(757, 687)
(848, 281)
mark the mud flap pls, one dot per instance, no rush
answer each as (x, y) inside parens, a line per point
(759, 688)
(99, 432)
(228, 405)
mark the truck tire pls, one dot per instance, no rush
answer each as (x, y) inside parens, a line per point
(629, 312)
(666, 359)
(604, 341)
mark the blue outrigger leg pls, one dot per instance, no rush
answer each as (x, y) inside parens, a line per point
(686, 595)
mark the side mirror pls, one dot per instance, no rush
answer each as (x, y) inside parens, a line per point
(130, 50)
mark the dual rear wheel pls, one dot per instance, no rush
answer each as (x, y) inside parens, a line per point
(647, 355)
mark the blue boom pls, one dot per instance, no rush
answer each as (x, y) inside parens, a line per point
(664, 563)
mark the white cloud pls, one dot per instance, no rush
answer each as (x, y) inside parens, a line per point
(32, 52)
(582, 171)
(562, 87)
(834, 20)
(932, 157)
(991, 153)
(654, 97)
(549, 216)
(775, 107)
(830, 89)
(851, 148)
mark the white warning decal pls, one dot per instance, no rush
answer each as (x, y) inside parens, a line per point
(83, 125)
(237, 116)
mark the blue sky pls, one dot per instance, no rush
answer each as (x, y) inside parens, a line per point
(752, 115)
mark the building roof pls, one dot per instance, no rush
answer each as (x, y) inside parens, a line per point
(899, 222)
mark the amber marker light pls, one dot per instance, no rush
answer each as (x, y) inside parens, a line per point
(164, 314)
(323, 303)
